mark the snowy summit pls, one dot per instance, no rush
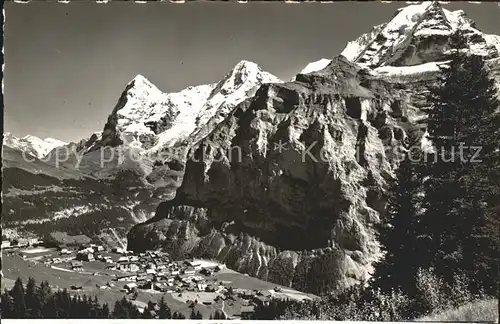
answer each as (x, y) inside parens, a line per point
(32, 145)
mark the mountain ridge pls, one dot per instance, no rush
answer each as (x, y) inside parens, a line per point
(248, 211)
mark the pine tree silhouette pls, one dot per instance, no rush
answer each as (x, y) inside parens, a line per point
(164, 311)
(399, 236)
(18, 299)
(462, 197)
(32, 302)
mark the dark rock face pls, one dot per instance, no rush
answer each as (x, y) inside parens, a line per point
(289, 186)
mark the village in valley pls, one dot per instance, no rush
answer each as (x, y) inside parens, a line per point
(142, 277)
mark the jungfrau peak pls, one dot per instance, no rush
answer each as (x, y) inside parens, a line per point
(419, 34)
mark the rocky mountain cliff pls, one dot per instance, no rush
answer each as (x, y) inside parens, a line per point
(116, 178)
(290, 185)
(284, 181)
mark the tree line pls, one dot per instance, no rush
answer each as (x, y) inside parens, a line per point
(40, 301)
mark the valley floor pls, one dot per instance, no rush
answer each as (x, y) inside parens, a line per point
(95, 280)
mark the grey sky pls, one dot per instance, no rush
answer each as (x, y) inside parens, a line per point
(67, 64)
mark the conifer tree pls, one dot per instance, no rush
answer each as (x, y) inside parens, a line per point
(18, 298)
(120, 311)
(43, 292)
(164, 311)
(461, 195)
(32, 303)
(479, 179)
(7, 304)
(105, 311)
(398, 237)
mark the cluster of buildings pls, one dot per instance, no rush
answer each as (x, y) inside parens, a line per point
(21, 243)
(155, 270)
(90, 253)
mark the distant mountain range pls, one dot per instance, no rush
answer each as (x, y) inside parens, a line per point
(32, 145)
(272, 214)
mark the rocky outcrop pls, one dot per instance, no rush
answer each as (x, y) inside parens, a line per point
(291, 182)
(290, 186)
(126, 170)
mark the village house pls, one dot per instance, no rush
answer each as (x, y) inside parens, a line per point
(128, 267)
(219, 267)
(126, 278)
(65, 251)
(86, 250)
(261, 300)
(5, 244)
(189, 271)
(145, 285)
(206, 272)
(210, 288)
(192, 264)
(123, 259)
(160, 286)
(77, 266)
(118, 250)
(85, 256)
(265, 293)
(22, 243)
(142, 276)
(130, 286)
(201, 286)
(244, 293)
(198, 279)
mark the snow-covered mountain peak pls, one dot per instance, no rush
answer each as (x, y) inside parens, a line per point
(239, 84)
(316, 66)
(244, 72)
(419, 34)
(148, 118)
(141, 81)
(32, 145)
